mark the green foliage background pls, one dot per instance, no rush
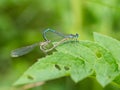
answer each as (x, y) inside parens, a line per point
(22, 23)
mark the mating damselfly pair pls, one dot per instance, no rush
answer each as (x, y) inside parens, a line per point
(43, 45)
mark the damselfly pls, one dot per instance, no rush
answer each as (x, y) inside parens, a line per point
(68, 36)
(43, 45)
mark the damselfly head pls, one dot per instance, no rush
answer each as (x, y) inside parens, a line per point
(73, 36)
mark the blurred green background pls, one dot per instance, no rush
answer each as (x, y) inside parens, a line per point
(23, 21)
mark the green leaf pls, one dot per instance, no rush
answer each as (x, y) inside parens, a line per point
(55, 66)
(106, 67)
(77, 59)
(45, 69)
(75, 48)
(111, 45)
(62, 64)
